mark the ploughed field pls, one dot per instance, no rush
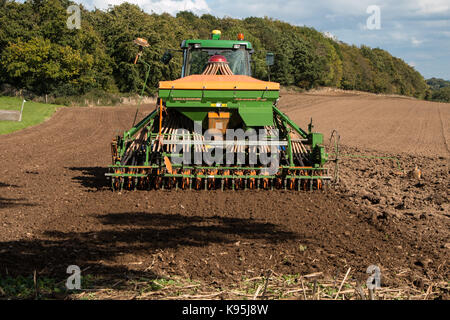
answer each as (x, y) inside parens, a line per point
(56, 208)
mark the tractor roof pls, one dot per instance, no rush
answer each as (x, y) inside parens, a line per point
(215, 43)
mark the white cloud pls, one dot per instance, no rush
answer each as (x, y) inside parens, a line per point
(416, 42)
(399, 36)
(329, 35)
(441, 23)
(432, 6)
(169, 6)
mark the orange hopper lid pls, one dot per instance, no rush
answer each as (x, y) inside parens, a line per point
(219, 82)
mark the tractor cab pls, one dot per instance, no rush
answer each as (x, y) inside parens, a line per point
(198, 53)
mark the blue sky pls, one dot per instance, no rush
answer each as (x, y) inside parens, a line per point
(418, 31)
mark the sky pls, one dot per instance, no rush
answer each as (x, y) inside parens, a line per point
(418, 31)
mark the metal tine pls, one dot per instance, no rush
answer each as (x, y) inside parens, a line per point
(266, 132)
(303, 153)
(196, 146)
(173, 135)
(195, 141)
(296, 148)
(303, 147)
(158, 145)
(194, 138)
(199, 147)
(178, 132)
(163, 130)
(169, 135)
(168, 131)
(300, 150)
(134, 145)
(155, 145)
(202, 137)
(184, 126)
(269, 133)
(199, 139)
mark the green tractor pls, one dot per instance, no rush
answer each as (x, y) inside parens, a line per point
(217, 128)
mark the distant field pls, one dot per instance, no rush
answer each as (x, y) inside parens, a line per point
(382, 123)
(33, 113)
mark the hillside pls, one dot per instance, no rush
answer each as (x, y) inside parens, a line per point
(39, 53)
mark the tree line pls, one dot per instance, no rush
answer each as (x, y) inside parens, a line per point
(440, 89)
(39, 53)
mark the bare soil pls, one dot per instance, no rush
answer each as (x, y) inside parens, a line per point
(56, 208)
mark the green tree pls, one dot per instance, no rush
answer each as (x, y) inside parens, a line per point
(307, 72)
(41, 66)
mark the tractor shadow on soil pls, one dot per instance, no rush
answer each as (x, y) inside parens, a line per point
(125, 238)
(91, 177)
(162, 231)
(12, 202)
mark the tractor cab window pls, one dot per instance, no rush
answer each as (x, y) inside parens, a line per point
(197, 60)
